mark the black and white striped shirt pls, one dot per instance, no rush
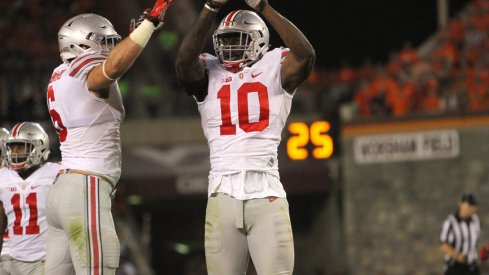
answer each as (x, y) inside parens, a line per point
(462, 235)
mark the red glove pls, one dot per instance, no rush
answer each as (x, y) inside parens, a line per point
(484, 253)
(135, 23)
(155, 15)
(159, 9)
(257, 5)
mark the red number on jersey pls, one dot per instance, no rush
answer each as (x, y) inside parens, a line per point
(32, 228)
(224, 94)
(55, 117)
(15, 200)
(227, 127)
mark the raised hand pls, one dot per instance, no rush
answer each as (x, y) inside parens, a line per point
(257, 5)
(215, 5)
(155, 15)
(159, 9)
(135, 23)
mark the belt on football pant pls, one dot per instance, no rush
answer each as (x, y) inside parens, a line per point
(86, 173)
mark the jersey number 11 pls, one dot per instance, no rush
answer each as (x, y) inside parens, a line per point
(32, 228)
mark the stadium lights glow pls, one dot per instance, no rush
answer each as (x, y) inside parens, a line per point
(181, 248)
(134, 199)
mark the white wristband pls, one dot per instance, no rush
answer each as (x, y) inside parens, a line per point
(211, 8)
(105, 74)
(142, 33)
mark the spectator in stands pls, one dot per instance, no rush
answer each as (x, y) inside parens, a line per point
(400, 99)
(362, 99)
(408, 55)
(478, 94)
(431, 101)
(394, 65)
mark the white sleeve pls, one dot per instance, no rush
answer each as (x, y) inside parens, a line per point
(82, 65)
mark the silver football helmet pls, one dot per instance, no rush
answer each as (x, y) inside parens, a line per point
(240, 40)
(86, 32)
(27, 146)
(3, 137)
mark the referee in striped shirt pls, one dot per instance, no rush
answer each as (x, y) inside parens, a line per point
(459, 238)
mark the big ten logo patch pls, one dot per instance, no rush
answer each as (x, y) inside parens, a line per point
(226, 79)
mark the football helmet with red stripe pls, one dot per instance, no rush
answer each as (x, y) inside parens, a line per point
(86, 32)
(27, 146)
(241, 39)
(3, 137)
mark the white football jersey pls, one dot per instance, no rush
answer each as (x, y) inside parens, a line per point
(242, 117)
(5, 246)
(88, 126)
(25, 203)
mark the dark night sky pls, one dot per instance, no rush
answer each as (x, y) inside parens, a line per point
(355, 29)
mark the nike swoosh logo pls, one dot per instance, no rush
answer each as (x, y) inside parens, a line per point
(255, 75)
(35, 186)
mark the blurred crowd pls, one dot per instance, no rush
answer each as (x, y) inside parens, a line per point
(450, 75)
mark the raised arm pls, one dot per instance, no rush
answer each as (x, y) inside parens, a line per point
(122, 56)
(119, 61)
(300, 61)
(189, 67)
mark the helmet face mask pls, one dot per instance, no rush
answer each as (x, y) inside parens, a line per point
(105, 43)
(19, 153)
(26, 146)
(240, 40)
(233, 46)
(84, 33)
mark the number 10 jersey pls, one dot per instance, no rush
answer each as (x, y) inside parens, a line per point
(242, 117)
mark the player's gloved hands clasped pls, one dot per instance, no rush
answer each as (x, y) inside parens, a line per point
(484, 253)
(215, 5)
(257, 5)
(155, 15)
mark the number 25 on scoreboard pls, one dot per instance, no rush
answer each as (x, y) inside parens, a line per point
(302, 134)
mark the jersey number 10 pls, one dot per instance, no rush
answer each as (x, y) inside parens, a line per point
(224, 94)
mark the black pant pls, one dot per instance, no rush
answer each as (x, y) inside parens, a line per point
(462, 269)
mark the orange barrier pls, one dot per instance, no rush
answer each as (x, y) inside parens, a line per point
(413, 125)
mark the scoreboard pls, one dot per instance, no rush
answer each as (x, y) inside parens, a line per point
(309, 140)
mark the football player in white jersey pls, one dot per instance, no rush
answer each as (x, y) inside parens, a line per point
(5, 254)
(24, 185)
(86, 109)
(244, 97)
(3, 137)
